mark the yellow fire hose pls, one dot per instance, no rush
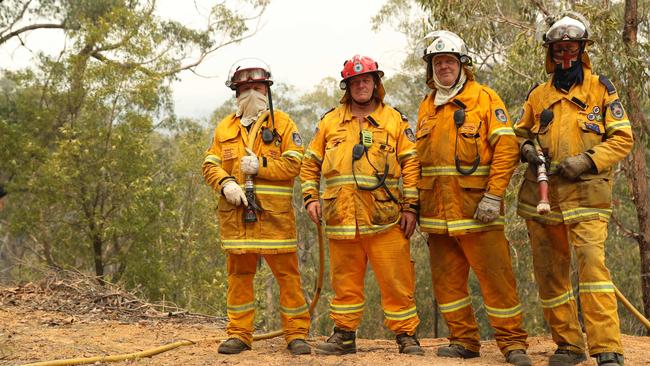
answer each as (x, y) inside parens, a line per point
(628, 305)
(171, 346)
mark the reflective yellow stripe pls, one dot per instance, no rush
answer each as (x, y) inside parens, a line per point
(361, 180)
(411, 192)
(503, 313)
(237, 309)
(528, 211)
(311, 154)
(455, 305)
(347, 309)
(612, 127)
(294, 311)
(350, 230)
(259, 243)
(401, 315)
(432, 171)
(558, 300)
(466, 224)
(365, 229)
(580, 212)
(341, 230)
(501, 131)
(521, 132)
(430, 223)
(406, 155)
(212, 159)
(309, 184)
(273, 190)
(293, 153)
(596, 287)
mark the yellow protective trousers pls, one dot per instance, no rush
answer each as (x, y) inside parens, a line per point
(552, 262)
(488, 255)
(389, 255)
(241, 302)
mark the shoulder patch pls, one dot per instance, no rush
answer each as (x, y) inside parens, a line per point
(608, 84)
(326, 113)
(617, 109)
(404, 118)
(500, 114)
(531, 90)
(295, 136)
(409, 134)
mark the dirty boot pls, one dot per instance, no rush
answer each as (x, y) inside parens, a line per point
(456, 351)
(409, 345)
(518, 357)
(341, 342)
(564, 357)
(299, 347)
(609, 359)
(232, 346)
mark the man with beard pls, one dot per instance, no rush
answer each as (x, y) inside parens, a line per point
(362, 148)
(577, 121)
(261, 148)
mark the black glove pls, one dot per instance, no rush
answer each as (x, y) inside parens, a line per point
(529, 154)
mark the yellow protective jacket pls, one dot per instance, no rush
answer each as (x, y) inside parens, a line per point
(346, 208)
(448, 199)
(589, 119)
(279, 164)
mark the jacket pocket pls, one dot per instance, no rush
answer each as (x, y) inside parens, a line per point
(384, 210)
(331, 213)
(230, 219)
(277, 219)
(427, 201)
(592, 132)
(472, 189)
(595, 190)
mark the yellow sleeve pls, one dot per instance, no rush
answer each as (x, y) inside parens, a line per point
(213, 173)
(410, 166)
(287, 166)
(503, 141)
(311, 166)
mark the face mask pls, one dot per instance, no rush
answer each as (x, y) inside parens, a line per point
(250, 104)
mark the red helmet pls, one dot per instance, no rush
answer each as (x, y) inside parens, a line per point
(358, 65)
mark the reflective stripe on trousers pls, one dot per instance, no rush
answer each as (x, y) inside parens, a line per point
(241, 300)
(488, 254)
(389, 255)
(552, 263)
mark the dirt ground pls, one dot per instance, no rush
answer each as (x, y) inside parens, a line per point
(80, 323)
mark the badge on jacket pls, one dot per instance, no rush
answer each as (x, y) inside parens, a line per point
(296, 138)
(617, 109)
(409, 134)
(501, 115)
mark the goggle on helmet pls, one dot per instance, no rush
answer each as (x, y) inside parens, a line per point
(249, 70)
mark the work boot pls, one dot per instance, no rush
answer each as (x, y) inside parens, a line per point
(233, 346)
(456, 351)
(518, 357)
(609, 359)
(565, 357)
(299, 347)
(409, 345)
(340, 342)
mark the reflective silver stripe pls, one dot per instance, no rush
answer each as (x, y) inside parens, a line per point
(612, 127)
(361, 180)
(347, 309)
(293, 153)
(244, 308)
(503, 313)
(309, 184)
(411, 192)
(294, 311)
(212, 159)
(501, 131)
(432, 171)
(259, 243)
(455, 305)
(401, 315)
(273, 190)
(310, 154)
(596, 287)
(406, 155)
(558, 300)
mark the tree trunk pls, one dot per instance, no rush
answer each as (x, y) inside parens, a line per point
(637, 170)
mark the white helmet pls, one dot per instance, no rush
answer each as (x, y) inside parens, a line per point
(568, 28)
(249, 70)
(446, 42)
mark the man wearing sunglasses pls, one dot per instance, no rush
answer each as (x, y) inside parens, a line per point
(362, 149)
(261, 149)
(468, 153)
(577, 120)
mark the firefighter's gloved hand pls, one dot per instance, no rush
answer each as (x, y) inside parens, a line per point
(234, 194)
(529, 154)
(573, 166)
(249, 164)
(488, 209)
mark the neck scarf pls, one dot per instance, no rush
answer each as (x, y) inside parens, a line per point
(445, 93)
(251, 104)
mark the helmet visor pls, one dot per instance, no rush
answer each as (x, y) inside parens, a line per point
(565, 33)
(249, 76)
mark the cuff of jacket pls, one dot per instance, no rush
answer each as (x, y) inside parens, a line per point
(410, 207)
(223, 182)
(308, 198)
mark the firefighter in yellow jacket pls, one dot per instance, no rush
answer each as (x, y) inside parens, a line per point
(362, 149)
(260, 149)
(576, 119)
(468, 152)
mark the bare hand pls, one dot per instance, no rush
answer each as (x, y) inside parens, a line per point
(408, 223)
(314, 211)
